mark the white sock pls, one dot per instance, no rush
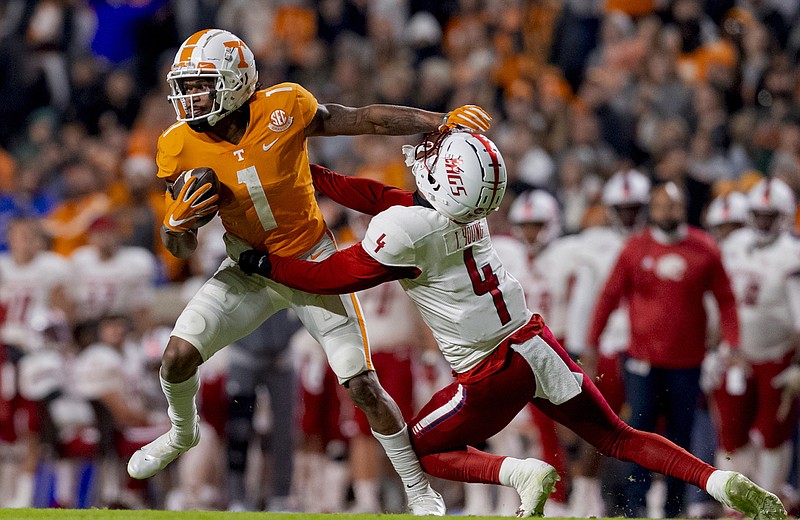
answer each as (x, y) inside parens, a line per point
(508, 470)
(774, 466)
(398, 448)
(182, 410)
(23, 495)
(366, 494)
(716, 486)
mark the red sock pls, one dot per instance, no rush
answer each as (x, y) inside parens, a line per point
(656, 453)
(468, 465)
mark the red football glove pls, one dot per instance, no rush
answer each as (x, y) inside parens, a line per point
(187, 208)
(469, 117)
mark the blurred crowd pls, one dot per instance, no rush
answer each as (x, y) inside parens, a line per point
(699, 93)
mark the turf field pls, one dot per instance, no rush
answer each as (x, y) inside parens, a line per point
(98, 514)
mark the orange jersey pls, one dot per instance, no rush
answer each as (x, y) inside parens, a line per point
(266, 193)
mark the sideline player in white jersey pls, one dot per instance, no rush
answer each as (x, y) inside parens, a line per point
(536, 222)
(625, 198)
(109, 278)
(32, 287)
(436, 243)
(541, 260)
(763, 262)
(33, 282)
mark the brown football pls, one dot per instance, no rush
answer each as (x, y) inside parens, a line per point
(204, 176)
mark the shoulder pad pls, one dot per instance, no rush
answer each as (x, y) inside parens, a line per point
(170, 144)
(388, 241)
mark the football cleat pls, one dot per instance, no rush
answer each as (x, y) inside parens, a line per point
(427, 503)
(534, 481)
(755, 502)
(155, 456)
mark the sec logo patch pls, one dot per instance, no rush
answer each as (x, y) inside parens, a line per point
(279, 121)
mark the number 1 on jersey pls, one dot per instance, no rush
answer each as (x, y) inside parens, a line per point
(486, 284)
(249, 177)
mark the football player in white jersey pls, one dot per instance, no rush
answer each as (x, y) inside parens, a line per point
(625, 198)
(436, 243)
(541, 260)
(108, 277)
(763, 261)
(34, 282)
(32, 286)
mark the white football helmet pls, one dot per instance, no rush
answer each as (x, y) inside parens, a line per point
(537, 206)
(462, 175)
(771, 196)
(625, 195)
(727, 209)
(627, 187)
(216, 54)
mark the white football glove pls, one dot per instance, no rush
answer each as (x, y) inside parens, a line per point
(789, 380)
(711, 371)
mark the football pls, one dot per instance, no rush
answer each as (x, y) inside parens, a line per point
(204, 176)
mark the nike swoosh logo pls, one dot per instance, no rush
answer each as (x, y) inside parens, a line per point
(173, 222)
(314, 256)
(415, 484)
(266, 147)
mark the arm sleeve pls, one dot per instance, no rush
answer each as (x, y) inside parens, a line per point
(346, 271)
(363, 195)
(616, 287)
(726, 301)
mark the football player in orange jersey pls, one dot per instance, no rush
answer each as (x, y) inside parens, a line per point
(255, 141)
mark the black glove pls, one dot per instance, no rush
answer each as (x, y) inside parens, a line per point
(253, 261)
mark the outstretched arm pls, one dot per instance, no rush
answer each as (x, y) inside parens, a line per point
(333, 119)
(346, 271)
(363, 195)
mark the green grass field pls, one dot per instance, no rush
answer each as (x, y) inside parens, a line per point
(98, 514)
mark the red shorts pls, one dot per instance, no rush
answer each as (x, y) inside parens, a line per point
(394, 372)
(756, 409)
(321, 408)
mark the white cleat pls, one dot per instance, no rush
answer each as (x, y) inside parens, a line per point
(427, 503)
(152, 458)
(754, 501)
(534, 481)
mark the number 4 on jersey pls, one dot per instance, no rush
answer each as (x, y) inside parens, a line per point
(486, 284)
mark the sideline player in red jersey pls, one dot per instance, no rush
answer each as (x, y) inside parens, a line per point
(255, 141)
(436, 243)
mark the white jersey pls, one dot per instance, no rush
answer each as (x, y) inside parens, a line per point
(759, 279)
(596, 254)
(555, 267)
(516, 259)
(119, 285)
(391, 318)
(467, 298)
(25, 292)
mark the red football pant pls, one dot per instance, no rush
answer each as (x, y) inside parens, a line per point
(462, 415)
(756, 409)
